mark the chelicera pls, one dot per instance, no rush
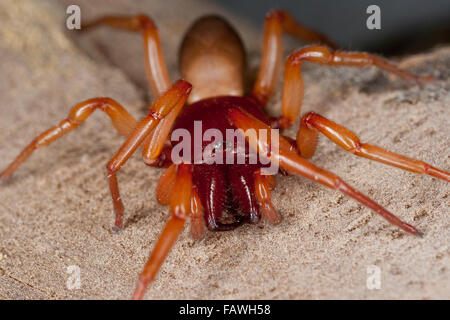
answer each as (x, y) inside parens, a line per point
(212, 62)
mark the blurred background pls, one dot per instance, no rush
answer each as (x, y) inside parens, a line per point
(407, 26)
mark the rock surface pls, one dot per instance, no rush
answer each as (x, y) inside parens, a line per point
(56, 212)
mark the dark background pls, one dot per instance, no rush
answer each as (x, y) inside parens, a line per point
(407, 26)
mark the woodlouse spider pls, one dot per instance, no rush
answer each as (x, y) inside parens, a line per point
(223, 196)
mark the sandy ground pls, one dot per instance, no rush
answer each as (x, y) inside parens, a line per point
(56, 212)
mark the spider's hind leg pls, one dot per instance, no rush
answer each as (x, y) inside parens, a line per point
(293, 88)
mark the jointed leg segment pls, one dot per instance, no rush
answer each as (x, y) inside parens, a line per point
(165, 186)
(156, 140)
(136, 132)
(175, 186)
(313, 123)
(155, 66)
(121, 119)
(276, 23)
(156, 72)
(164, 191)
(279, 22)
(262, 191)
(180, 208)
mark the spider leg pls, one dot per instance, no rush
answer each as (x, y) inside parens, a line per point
(294, 164)
(197, 228)
(312, 123)
(157, 76)
(180, 207)
(262, 191)
(173, 98)
(276, 23)
(155, 66)
(242, 188)
(155, 152)
(293, 83)
(204, 177)
(165, 186)
(164, 191)
(121, 119)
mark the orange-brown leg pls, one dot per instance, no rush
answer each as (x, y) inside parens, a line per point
(156, 72)
(197, 227)
(278, 22)
(155, 67)
(180, 207)
(164, 191)
(262, 191)
(270, 180)
(121, 119)
(156, 140)
(312, 123)
(293, 82)
(294, 164)
(172, 99)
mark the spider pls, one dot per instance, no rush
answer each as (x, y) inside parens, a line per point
(212, 61)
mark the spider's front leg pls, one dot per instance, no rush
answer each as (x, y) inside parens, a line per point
(180, 207)
(294, 164)
(121, 119)
(173, 99)
(164, 192)
(313, 123)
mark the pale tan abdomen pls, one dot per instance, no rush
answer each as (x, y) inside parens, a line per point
(212, 59)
